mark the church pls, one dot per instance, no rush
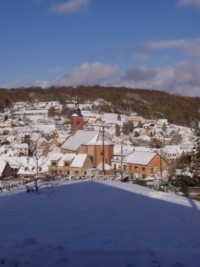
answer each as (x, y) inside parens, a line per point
(90, 142)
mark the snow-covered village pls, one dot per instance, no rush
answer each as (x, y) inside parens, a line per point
(92, 145)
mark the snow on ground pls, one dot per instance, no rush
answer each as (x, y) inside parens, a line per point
(100, 224)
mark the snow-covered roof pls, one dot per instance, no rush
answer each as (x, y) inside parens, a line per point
(21, 145)
(106, 166)
(140, 158)
(174, 149)
(66, 158)
(81, 137)
(143, 149)
(79, 161)
(123, 152)
(54, 156)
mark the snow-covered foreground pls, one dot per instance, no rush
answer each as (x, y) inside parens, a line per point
(98, 224)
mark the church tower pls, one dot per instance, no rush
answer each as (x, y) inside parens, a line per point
(77, 121)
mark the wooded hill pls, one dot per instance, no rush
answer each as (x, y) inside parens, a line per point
(151, 104)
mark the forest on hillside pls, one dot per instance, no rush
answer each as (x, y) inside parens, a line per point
(151, 104)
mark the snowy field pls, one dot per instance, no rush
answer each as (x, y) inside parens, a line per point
(98, 224)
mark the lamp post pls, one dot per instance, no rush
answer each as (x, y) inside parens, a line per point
(161, 163)
(121, 156)
(103, 151)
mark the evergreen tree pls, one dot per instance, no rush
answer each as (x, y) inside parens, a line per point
(130, 126)
(117, 130)
(195, 163)
(127, 127)
(1, 108)
(119, 117)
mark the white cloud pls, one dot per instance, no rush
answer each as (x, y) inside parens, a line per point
(88, 74)
(189, 47)
(72, 6)
(195, 3)
(166, 44)
(182, 78)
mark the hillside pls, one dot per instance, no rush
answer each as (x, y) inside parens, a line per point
(181, 110)
(90, 223)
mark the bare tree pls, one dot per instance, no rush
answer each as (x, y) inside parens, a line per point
(38, 163)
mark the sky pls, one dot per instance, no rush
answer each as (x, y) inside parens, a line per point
(133, 43)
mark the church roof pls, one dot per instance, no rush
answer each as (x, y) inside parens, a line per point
(81, 137)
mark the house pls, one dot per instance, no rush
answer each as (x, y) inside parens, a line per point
(148, 125)
(161, 122)
(138, 164)
(80, 164)
(48, 146)
(136, 120)
(32, 167)
(21, 149)
(171, 152)
(20, 136)
(59, 164)
(5, 169)
(159, 137)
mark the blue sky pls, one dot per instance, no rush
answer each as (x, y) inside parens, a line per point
(151, 44)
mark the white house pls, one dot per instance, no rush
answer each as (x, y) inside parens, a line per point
(171, 152)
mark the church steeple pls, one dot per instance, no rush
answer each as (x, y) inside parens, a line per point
(77, 120)
(77, 109)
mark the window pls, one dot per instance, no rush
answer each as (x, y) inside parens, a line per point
(136, 168)
(143, 169)
(53, 163)
(66, 164)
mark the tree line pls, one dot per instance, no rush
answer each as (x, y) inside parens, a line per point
(150, 104)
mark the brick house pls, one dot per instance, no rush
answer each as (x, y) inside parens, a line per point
(139, 164)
